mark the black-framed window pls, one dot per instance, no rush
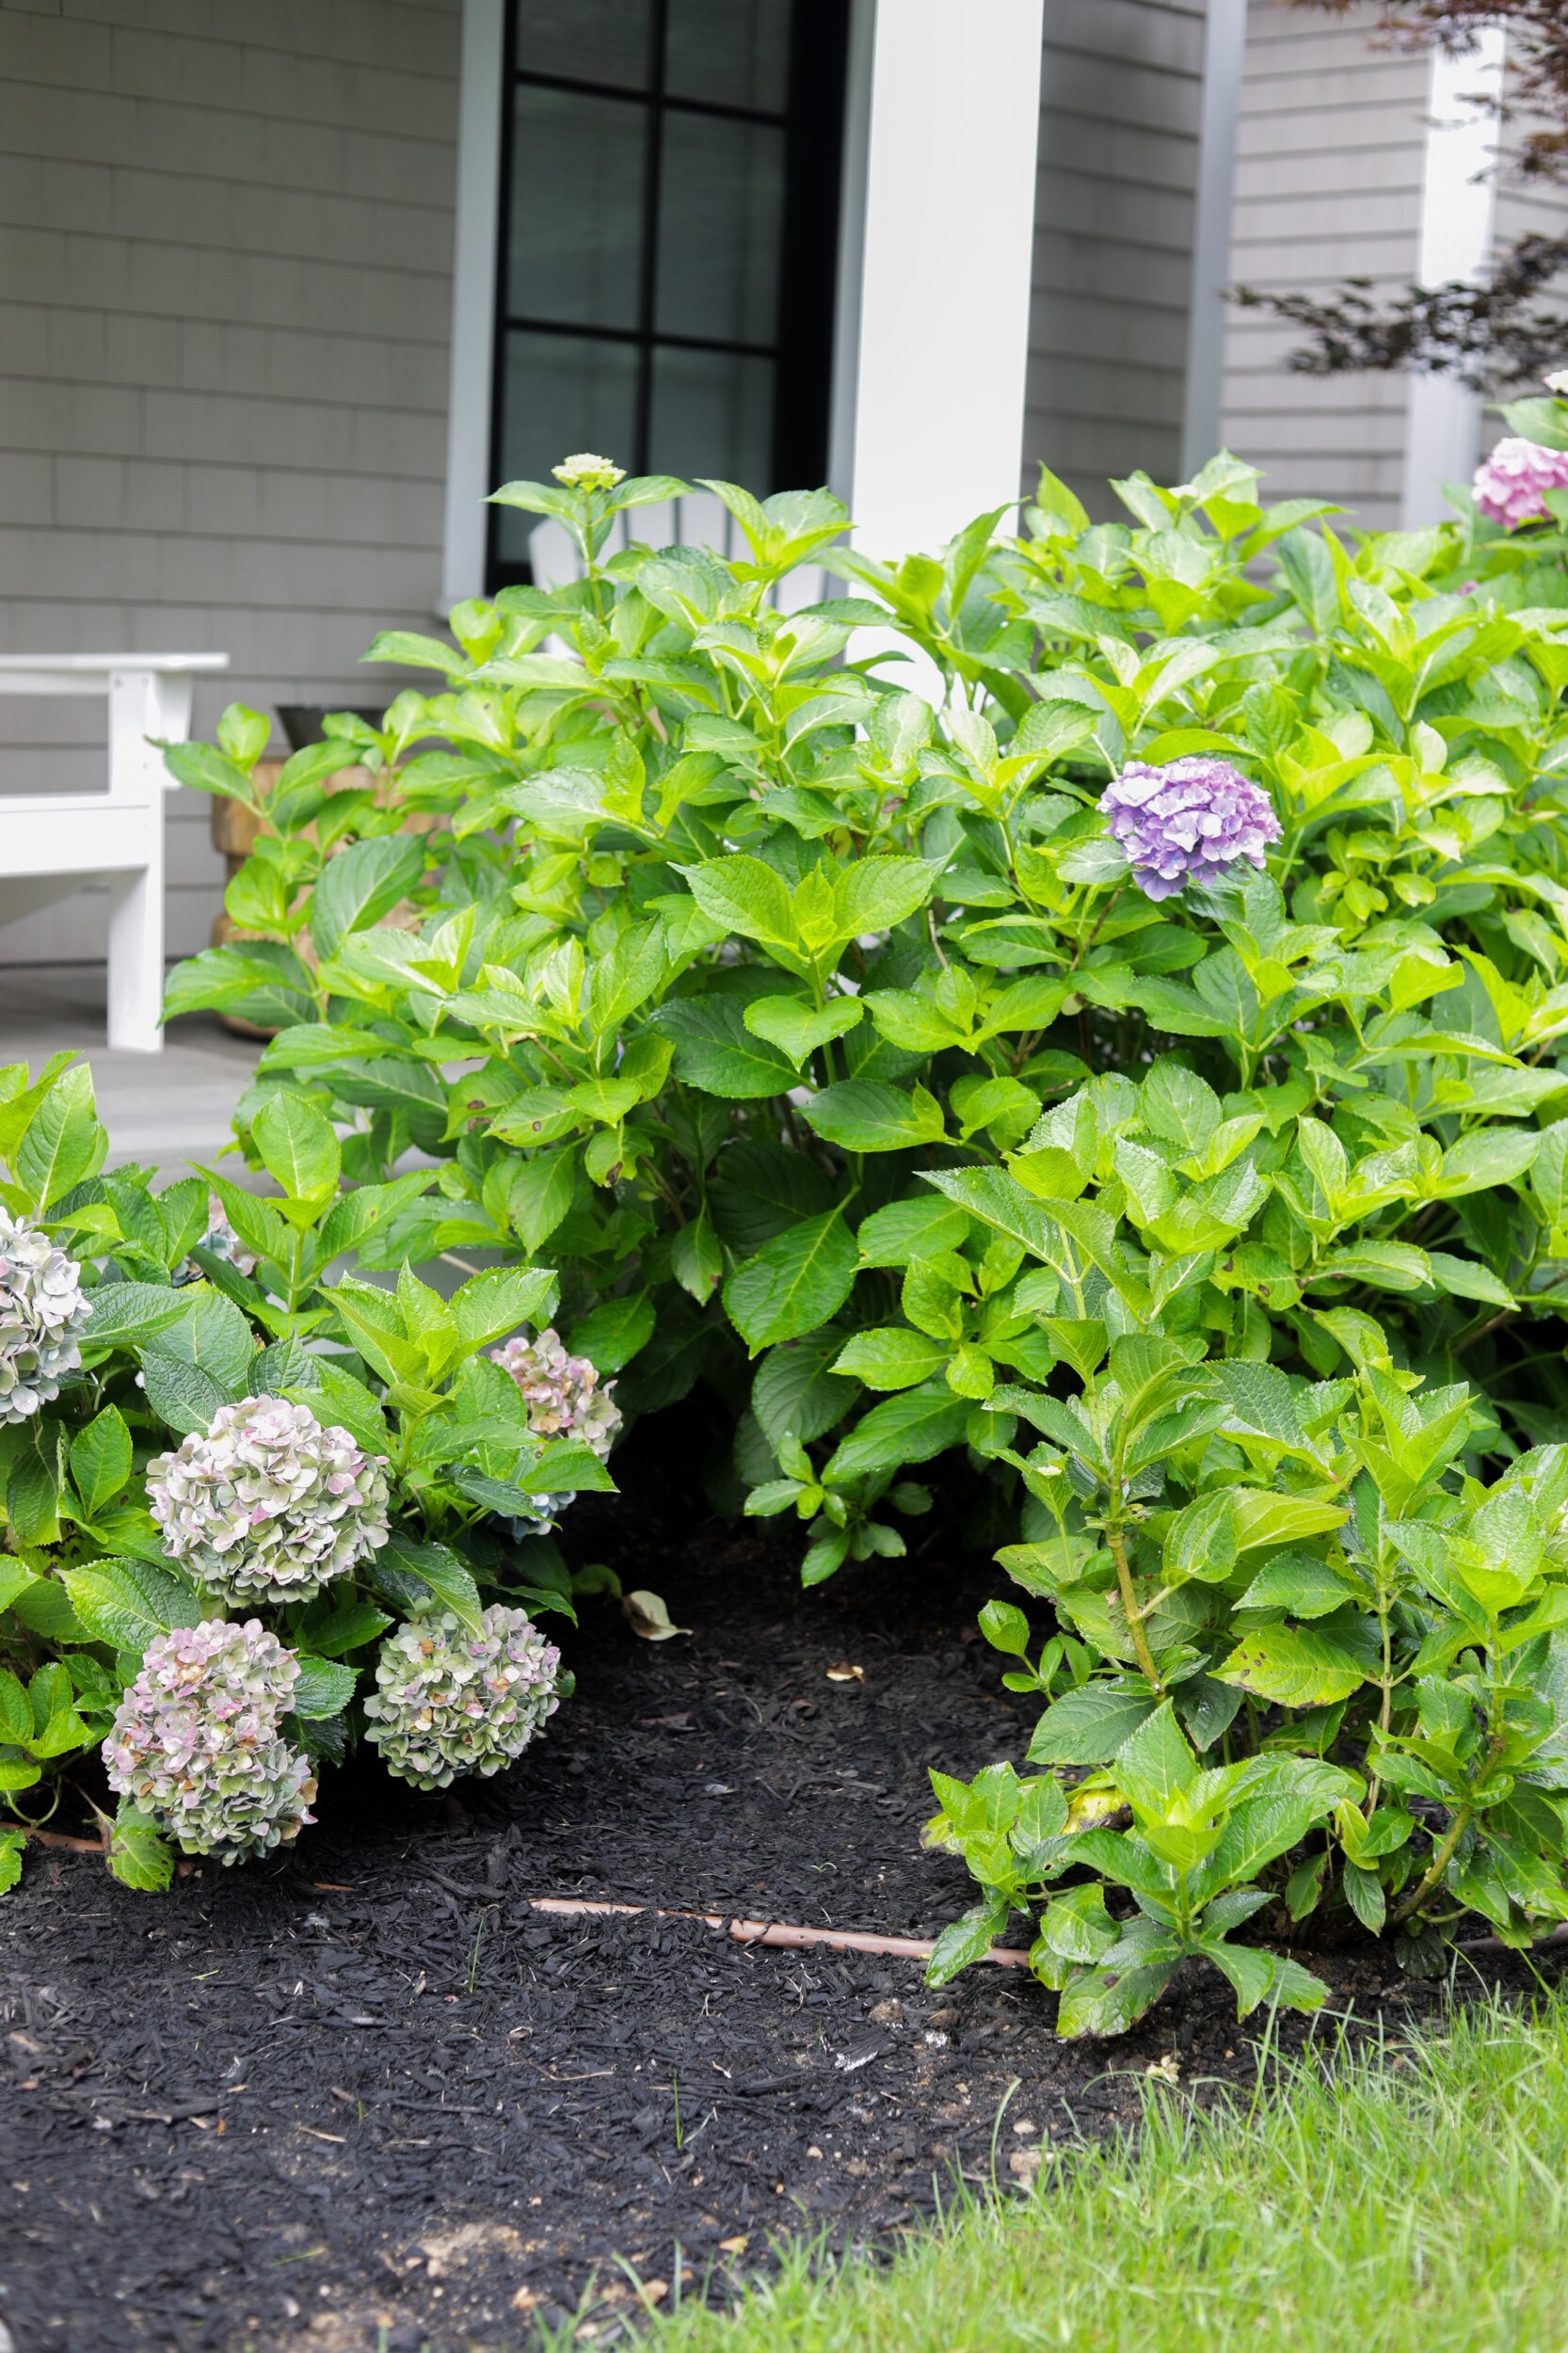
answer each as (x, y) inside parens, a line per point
(669, 212)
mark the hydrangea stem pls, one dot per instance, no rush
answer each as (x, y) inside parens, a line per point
(1435, 1869)
(1135, 1616)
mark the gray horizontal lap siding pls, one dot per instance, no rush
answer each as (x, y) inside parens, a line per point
(225, 303)
(1330, 153)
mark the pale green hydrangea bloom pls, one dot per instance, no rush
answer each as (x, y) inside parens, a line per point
(585, 472)
(451, 1701)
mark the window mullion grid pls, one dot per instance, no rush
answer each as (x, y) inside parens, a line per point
(574, 86)
(666, 342)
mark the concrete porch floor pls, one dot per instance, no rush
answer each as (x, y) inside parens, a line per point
(166, 1110)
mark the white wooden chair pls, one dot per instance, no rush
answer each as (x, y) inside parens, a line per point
(51, 842)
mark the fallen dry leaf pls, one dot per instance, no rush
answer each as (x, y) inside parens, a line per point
(844, 1671)
(736, 2245)
(646, 1615)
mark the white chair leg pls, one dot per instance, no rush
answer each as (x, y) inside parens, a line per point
(141, 704)
(137, 958)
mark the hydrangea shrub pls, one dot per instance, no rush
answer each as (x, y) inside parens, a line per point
(227, 1467)
(1143, 1071)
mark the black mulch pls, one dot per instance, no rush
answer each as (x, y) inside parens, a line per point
(365, 2098)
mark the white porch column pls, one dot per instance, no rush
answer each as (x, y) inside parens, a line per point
(1225, 47)
(932, 382)
(477, 229)
(1458, 202)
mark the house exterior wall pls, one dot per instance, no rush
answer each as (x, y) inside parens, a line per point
(1525, 208)
(1332, 145)
(224, 317)
(1120, 103)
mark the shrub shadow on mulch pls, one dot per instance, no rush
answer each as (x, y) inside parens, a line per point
(364, 2095)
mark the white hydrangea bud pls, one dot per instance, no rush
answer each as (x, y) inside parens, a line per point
(43, 1313)
(267, 1503)
(197, 1741)
(449, 1701)
(585, 472)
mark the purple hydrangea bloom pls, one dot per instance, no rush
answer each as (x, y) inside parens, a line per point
(1191, 820)
(1511, 486)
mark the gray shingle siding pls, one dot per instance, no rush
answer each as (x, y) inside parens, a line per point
(1330, 148)
(224, 312)
(1121, 90)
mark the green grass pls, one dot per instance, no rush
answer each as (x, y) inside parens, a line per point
(1413, 2200)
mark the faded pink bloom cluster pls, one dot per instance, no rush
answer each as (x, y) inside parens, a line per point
(1191, 820)
(266, 1504)
(1511, 486)
(197, 1741)
(562, 1392)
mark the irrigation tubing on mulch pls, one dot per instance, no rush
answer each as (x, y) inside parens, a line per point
(782, 1934)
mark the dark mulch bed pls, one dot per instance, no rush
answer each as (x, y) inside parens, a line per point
(366, 2096)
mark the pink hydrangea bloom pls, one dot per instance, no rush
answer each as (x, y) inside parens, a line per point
(1511, 486)
(198, 1741)
(267, 1503)
(563, 1393)
(452, 1700)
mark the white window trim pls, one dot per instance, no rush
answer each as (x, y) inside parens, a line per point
(477, 231)
(1224, 49)
(852, 248)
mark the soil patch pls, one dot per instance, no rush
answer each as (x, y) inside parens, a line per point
(365, 2100)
